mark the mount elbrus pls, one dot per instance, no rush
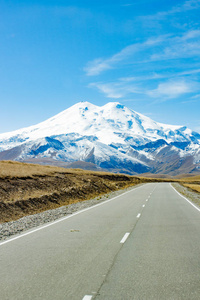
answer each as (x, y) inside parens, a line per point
(112, 138)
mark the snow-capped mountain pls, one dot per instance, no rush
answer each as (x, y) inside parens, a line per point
(111, 137)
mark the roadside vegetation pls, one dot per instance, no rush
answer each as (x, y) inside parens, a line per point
(192, 183)
(194, 187)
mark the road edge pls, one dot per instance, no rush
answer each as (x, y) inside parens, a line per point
(190, 202)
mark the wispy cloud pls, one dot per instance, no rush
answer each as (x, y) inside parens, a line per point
(127, 5)
(153, 76)
(187, 45)
(185, 6)
(191, 4)
(188, 72)
(109, 90)
(173, 89)
(156, 76)
(165, 47)
(115, 90)
(98, 65)
(169, 89)
(196, 96)
(192, 99)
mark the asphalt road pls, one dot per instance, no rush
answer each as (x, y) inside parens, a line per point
(144, 244)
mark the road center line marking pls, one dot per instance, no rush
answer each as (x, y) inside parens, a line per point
(138, 215)
(123, 240)
(87, 297)
(146, 199)
(143, 205)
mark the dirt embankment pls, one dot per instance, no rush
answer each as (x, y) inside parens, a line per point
(28, 189)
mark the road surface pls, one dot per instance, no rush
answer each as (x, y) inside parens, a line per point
(143, 244)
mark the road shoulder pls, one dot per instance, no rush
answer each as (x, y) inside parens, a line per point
(191, 195)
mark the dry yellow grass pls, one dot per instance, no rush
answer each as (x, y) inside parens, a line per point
(195, 187)
(17, 169)
(192, 182)
(190, 179)
(21, 170)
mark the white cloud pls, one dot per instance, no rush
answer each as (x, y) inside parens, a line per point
(187, 45)
(115, 89)
(153, 76)
(191, 4)
(164, 47)
(191, 34)
(110, 90)
(196, 96)
(99, 65)
(188, 72)
(156, 76)
(186, 6)
(172, 89)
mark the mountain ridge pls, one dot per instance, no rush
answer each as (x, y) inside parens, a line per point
(111, 137)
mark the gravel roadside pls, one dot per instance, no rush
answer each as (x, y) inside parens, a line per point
(188, 193)
(16, 227)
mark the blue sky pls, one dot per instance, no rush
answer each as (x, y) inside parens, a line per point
(144, 54)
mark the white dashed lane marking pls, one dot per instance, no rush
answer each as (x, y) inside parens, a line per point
(124, 238)
(87, 297)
